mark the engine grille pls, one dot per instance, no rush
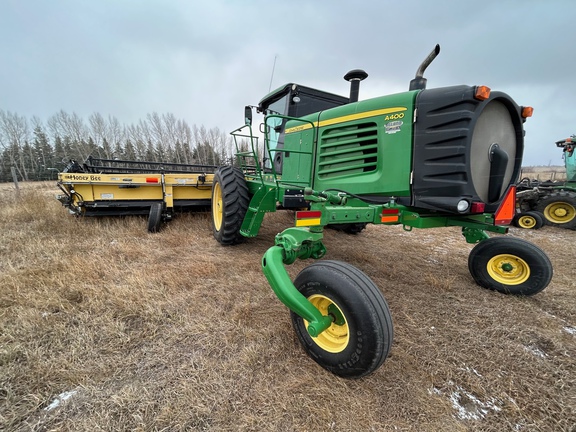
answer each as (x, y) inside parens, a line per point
(349, 150)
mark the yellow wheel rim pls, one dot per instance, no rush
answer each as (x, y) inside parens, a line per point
(527, 222)
(560, 212)
(508, 269)
(336, 337)
(217, 206)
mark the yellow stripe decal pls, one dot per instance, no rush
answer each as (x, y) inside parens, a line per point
(346, 118)
(307, 222)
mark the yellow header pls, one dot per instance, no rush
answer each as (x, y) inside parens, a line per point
(346, 118)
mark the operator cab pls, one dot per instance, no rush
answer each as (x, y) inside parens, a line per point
(293, 100)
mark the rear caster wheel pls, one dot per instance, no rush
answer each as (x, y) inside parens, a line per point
(360, 337)
(510, 266)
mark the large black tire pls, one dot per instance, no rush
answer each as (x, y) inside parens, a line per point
(510, 266)
(155, 217)
(529, 220)
(230, 200)
(559, 209)
(349, 228)
(359, 340)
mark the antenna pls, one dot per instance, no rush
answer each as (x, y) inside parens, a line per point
(272, 76)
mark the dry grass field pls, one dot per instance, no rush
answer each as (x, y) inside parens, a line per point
(105, 327)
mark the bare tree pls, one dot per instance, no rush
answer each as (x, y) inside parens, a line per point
(65, 125)
(133, 134)
(107, 134)
(98, 128)
(14, 136)
(184, 137)
(116, 133)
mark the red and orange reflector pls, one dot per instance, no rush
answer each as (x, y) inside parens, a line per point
(151, 180)
(482, 92)
(527, 112)
(507, 209)
(308, 218)
(389, 215)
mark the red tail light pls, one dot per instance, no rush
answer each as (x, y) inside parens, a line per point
(477, 207)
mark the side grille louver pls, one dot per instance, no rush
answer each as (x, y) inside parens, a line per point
(348, 150)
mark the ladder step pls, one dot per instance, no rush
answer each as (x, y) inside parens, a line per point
(260, 205)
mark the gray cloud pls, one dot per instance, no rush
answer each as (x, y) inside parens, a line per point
(203, 61)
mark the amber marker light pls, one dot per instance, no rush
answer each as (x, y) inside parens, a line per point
(527, 112)
(482, 92)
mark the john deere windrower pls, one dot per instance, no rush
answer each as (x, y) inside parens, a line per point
(425, 158)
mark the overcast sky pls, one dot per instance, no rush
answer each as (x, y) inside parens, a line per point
(204, 60)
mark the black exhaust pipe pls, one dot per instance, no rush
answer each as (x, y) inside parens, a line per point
(498, 164)
(354, 77)
(419, 82)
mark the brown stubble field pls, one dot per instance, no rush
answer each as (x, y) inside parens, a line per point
(104, 326)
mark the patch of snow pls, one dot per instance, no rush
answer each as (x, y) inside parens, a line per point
(472, 370)
(536, 351)
(61, 398)
(468, 406)
(570, 330)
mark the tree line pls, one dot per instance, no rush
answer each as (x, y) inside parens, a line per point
(38, 150)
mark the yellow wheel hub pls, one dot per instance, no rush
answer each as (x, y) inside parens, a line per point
(560, 212)
(508, 269)
(336, 337)
(527, 222)
(217, 209)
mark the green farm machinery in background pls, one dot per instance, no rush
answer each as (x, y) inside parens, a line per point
(553, 203)
(425, 158)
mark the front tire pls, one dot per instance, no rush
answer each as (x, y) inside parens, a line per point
(510, 266)
(559, 209)
(230, 201)
(359, 339)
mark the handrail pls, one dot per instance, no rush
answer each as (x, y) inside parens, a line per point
(267, 138)
(254, 152)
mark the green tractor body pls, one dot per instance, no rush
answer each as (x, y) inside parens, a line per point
(553, 202)
(568, 145)
(348, 148)
(424, 158)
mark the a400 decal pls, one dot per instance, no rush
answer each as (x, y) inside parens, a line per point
(396, 116)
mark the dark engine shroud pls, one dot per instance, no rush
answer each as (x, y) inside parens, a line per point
(465, 148)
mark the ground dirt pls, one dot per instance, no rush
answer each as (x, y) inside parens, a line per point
(104, 326)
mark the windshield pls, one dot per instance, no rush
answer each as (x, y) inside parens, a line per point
(278, 107)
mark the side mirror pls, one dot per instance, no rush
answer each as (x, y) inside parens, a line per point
(247, 115)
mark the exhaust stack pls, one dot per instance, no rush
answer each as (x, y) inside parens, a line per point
(419, 82)
(354, 77)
